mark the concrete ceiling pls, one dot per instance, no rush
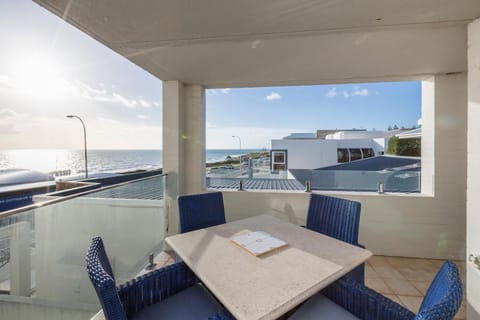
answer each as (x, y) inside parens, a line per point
(249, 42)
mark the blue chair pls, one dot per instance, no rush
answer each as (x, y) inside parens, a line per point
(337, 218)
(172, 292)
(198, 211)
(348, 299)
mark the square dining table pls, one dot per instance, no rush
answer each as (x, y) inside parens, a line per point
(267, 286)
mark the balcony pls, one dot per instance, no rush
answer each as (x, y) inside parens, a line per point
(42, 249)
(192, 47)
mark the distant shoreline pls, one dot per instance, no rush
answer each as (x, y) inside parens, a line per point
(236, 160)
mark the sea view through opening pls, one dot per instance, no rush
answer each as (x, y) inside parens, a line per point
(50, 160)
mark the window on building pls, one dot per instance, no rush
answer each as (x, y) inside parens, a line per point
(355, 154)
(367, 153)
(279, 160)
(342, 155)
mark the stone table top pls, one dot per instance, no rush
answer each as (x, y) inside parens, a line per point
(267, 286)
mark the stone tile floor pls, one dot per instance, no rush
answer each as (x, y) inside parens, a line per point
(406, 280)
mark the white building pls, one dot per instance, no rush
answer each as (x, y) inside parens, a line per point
(312, 152)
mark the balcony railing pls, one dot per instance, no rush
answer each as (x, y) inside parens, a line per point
(42, 247)
(403, 181)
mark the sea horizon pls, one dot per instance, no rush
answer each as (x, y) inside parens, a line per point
(99, 160)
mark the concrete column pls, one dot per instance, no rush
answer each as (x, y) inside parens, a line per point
(183, 144)
(428, 136)
(473, 169)
(173, 111)
(194, 139)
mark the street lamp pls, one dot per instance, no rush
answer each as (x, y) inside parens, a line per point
(239, 141)
(240, 157)
(84, 141)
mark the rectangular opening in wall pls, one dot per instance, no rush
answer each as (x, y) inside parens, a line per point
(279, 160)
(340, 137)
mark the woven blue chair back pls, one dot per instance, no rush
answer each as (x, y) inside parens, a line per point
(334, 217)
(444, 296)
(200, 211)
(101, 275)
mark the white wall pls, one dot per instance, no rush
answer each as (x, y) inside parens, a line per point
(308, 154)
(473, 190)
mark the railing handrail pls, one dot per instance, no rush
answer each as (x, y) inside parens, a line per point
(16, 211)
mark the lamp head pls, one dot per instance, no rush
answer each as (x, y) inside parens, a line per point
(70, 116)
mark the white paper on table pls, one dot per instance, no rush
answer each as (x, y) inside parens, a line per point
(258, 242)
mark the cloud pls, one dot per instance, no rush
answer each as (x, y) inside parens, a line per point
(332, 92)
(225, 91)
(76, 88)
(7, 113)
(360, 92)
(103, 95)
(141, 116)
(9, 121)
(82, 90)
(144, 103)
(218, 91)
(7, 128)
(273, 96)
(357, 91)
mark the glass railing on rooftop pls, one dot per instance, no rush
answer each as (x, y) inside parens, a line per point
(42, 249)
(387, 180)
(366, 181)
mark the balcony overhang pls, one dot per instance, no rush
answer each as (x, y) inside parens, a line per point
(251, 43)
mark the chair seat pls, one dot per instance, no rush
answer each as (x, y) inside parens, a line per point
(192, 303)
(320, 307)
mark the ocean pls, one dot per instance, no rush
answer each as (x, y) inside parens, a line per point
(49, 160)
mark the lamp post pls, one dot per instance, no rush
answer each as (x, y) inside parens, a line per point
(84, 141)
(240, 157)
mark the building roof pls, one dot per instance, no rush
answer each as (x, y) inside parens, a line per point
(415, 133)
(255, 184)
(148, 189)
(304, 135)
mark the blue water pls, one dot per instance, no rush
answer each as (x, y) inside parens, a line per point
(48, 160)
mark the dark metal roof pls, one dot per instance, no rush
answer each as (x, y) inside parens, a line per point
(149, 189)
(255, 184)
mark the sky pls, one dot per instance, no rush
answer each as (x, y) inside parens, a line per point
(257, 115)
(49, 69)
